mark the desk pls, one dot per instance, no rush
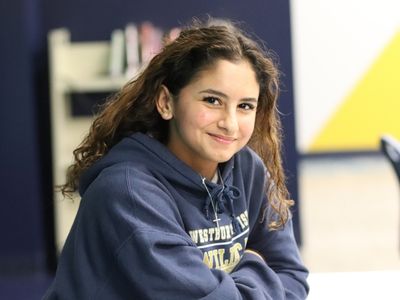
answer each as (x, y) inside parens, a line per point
(377, 285)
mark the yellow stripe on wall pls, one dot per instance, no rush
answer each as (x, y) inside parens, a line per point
(371, 109)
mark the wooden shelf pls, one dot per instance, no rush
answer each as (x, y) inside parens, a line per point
(98, 84)
(75, 67)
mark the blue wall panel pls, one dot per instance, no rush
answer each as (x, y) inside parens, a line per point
(21, 218)
(268, 19)
(25, 183)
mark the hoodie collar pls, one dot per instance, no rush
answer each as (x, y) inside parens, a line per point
(140, 147)
(160, 150)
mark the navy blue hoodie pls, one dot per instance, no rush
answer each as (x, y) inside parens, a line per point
(150, 227)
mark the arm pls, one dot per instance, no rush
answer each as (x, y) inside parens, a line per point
(170, 267)
(278, 248)
(280, 251)
(128, 242)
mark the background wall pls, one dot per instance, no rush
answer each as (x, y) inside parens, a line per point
(26, 225)
(346, 62)
(22, 229)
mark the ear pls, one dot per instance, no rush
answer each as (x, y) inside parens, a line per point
(165, 104)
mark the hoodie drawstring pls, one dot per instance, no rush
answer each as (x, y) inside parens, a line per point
(231, 193)
(222, 194)
(209, 201)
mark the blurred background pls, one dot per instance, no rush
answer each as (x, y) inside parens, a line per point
(340, 94)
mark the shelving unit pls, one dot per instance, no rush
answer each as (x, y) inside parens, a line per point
(75, 67)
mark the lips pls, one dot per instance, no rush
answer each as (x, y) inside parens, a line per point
(222, 139)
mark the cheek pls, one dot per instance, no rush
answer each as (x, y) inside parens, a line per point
(247, 127)
(191, 120)
(203, 118)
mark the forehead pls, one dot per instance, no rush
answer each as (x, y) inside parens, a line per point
(227, 76)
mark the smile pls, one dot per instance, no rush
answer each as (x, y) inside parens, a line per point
(222, 139)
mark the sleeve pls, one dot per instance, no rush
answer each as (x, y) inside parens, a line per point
(128, 242)
(168, 267)
(281, 255)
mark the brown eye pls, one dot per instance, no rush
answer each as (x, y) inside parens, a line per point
(247, 106)
(211, 100)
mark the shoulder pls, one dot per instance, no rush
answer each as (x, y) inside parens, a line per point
(129, 178)
(249, 162)
(113, 178)
(249, 173)
(133, 189)
(109, 192)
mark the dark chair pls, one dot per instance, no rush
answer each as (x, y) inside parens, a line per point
(391, 148)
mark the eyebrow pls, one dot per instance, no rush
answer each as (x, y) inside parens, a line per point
(223, 95)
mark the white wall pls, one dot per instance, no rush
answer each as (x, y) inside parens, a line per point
(334, 44)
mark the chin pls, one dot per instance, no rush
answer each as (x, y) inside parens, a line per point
(222, 159)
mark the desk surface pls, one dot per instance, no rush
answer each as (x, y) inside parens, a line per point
(355, 285)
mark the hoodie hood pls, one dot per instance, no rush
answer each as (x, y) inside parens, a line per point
(145, 229)
(148, 153)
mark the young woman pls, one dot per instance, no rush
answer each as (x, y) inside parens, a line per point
(183, 192)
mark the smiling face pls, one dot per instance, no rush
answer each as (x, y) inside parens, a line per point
(213, 116)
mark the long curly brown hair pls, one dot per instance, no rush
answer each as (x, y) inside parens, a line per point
(133, 108)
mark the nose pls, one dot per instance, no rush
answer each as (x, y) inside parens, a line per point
(229, 121)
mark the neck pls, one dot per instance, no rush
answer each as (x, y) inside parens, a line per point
(209, 173)
(205, 168)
